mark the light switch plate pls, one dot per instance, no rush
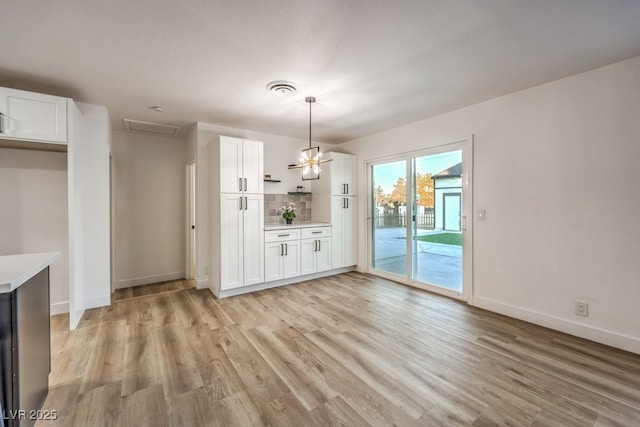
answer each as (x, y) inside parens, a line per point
(481, 214)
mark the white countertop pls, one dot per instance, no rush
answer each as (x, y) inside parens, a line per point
(296, 224)
(17, 269)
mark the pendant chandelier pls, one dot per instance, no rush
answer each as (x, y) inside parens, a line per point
(311, 157)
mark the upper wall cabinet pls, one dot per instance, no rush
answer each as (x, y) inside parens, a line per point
(340, 174)
(32, 116)
(241, 166)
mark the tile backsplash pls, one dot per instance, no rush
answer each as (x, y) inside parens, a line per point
(273, 203)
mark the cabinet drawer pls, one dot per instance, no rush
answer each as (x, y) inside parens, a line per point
(281, 235)
(312, 233)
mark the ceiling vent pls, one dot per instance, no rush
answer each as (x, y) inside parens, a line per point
(282, 88)
(151, 128)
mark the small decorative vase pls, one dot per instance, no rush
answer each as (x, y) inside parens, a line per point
(289, 220)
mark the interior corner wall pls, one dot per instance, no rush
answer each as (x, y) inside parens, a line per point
(33, 212)
(148, 174)
(555, 168)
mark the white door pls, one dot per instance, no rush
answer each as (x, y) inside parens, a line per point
(350, 232)
(451, 211)
(230, 165)
(338, 231)
(350, 174)
(323, 254)
(253, 235)
(336, 174)
(291, 259)
(308, 256)
(273, 261)
(252, 166)
(231, 241)
(191, 220)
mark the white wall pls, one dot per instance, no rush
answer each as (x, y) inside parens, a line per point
(279, 151)
(555, 167)
(149, 208)
(88, 211)
(33, 212)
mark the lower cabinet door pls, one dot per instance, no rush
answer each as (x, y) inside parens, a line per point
(323, 254)
(253, 239)
(273, 261)
(291, 259)
(231, 242)
(308, 256)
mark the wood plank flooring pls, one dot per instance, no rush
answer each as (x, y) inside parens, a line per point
(349, 350)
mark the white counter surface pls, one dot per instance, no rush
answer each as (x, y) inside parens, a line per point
(17, 269)
(296, 224)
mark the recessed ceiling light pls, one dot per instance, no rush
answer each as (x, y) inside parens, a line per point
(157, 108)
(282, 88)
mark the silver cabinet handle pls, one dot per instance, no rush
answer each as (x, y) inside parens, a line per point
(241, 203)
(283, 235)
(246, 204)
(245, 184)
(239, 184)
(316, 232)
(319, 245)
(2, 123)
(286, 249)
(347, 189)
(347, 200)
(281, 249)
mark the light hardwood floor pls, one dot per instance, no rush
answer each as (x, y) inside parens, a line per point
(351, 350)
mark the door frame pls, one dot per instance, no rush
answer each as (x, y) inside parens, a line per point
(190, 222)
(466, 221)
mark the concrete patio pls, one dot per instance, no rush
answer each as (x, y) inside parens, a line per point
(435, 263)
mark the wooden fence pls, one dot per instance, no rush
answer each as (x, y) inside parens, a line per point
(424, 221)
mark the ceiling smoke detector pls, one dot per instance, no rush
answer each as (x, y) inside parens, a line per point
(282, 88)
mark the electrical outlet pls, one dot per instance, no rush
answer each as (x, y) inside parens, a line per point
(582, 308)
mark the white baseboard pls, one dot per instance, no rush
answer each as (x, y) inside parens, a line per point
(59, 308)
(581, 330)
(139, 281)
(202, 283)
(276, 283)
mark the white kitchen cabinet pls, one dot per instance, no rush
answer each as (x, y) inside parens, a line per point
(315, 248)
(241, 166)
(33, 116)
(335, 201)
(241, 240)
(340, 174)
(281, 254)
(344, 221)
(237, 255)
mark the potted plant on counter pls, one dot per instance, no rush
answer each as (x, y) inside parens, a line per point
(288, 212)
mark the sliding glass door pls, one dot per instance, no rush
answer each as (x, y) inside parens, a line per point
(418, 227)
(389, 217)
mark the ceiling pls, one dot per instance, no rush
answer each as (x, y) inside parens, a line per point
(371, 64)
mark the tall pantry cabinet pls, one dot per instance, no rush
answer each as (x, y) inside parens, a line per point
(335, 200)
(237, 213)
